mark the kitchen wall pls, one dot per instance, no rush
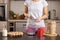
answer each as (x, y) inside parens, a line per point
(54, 5)
(17, 7)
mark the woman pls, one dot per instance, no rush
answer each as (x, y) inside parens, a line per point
(37, 10)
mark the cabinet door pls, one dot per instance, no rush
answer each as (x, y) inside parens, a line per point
(1, 1)
(20, 26)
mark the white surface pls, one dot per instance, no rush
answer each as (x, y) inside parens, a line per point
(4, 32)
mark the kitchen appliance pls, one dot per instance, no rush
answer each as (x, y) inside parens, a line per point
(2, 13)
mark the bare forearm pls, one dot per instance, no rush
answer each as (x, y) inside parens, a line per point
(25, 10)
(25, 13)
(45, 13)
(44, 17)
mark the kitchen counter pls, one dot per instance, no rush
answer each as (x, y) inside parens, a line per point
(57, 21)
(26, 37)
(21, 23)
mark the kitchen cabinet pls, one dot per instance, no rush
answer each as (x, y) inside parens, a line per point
(19, 25)
(4, 10)
(5, 4)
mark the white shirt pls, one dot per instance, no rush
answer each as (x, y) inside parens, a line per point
(35, 9)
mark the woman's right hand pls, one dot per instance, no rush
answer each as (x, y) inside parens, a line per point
(27, 15)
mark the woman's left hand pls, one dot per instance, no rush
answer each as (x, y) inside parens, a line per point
(38, 19)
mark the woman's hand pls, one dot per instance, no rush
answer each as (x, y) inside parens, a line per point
(27, 15)
(26, 11)
(38, 19)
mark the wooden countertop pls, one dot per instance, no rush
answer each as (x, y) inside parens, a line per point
(16, 20)
(58, 21)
